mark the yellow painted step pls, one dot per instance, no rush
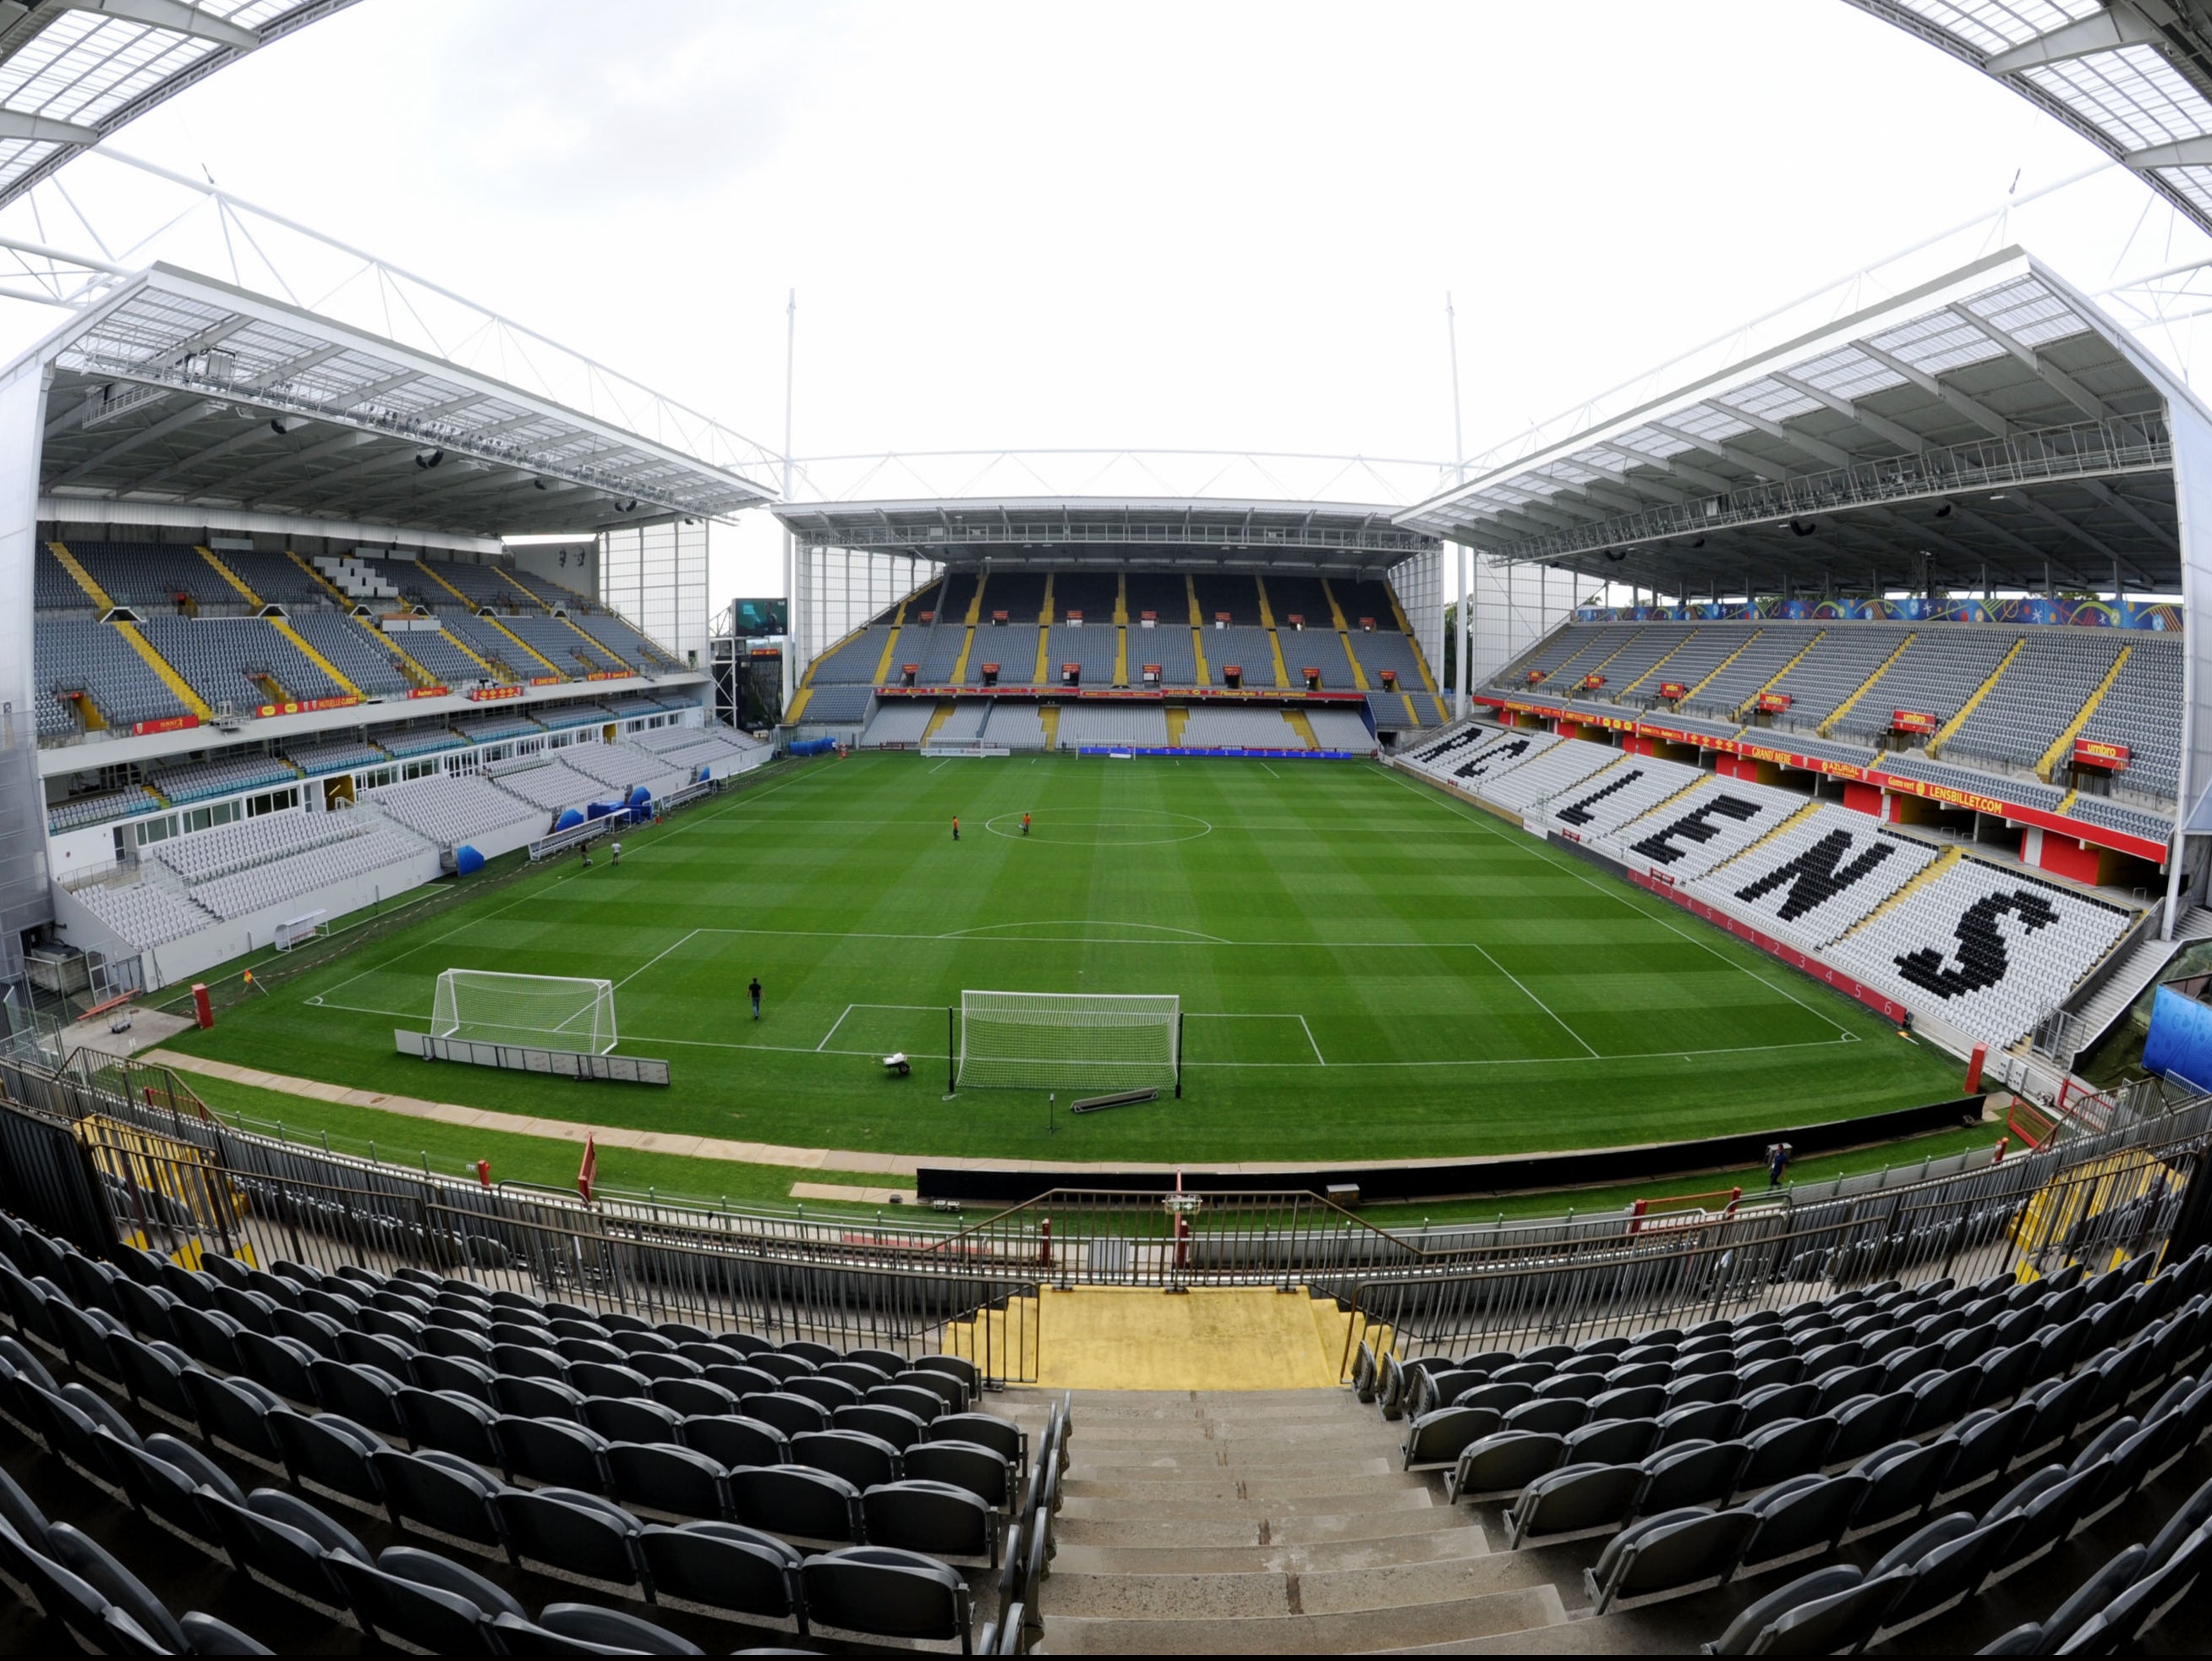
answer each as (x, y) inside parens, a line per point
(1197, 645)
(1412, 713)
(1002, 1342)
(1744, 709)
(891, 651)
(414, 671)
(2063, 745)
(1662, 664)
(1044, 636)
(1722, 664)
(93, 590)
(797, 706)
(1177, 715)
(1943, 737)
(528, 653)
(335, 592)
(1303, 727)
(1864, 687)
(300, 643)
(228, 575)
(427, 571)
(937, 717)
(960, 664)
(1274, 641)
(1344, 633)
(1208, 1338)
(1420, 658)
(159, 665)
(1049, 714)
(1797, 818)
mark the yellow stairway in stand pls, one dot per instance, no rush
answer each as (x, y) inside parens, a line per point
(159, 665)
(228, 575)
(2063, 745)
(1177, 715)
(1197, 643)
(1935, 873)
(68, 563)
(1044, 636)
(1303, 727)
(1344, 633)
(1752, 702)
(945, 709)
(968, 641)
(300, 644)
(1864, 687)
(1049, 714)
(1943, 737)
(1122, 628)
(1722, 664)
(1209, 1338)
(1274, 641)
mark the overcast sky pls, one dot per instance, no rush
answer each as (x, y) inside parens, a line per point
(1212, 225)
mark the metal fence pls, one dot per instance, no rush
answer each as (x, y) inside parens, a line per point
(112, 1149)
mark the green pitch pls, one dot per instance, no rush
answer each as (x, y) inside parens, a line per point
(1368, 969)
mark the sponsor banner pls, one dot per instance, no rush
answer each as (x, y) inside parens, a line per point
(167, 724)
(549, 680)
(487, 693)
(1774, 702)
(1613, 723)
(1912, 720)
(304, 706)
(2096, 752)
(431, 692)
(1125, 694)
(612, 675)
(1672, 688)
(1791, 758)
(1591, 683)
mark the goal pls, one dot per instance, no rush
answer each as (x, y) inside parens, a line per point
(556, 1011)
(1069, 1041)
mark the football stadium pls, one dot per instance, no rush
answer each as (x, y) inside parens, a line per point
(1197, 1064)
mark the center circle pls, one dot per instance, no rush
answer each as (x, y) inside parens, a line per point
(1117, 827)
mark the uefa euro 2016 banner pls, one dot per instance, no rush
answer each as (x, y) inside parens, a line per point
(2079, 613)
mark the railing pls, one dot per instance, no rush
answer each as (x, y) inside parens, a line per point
(156, 1168)
(2079, 1199)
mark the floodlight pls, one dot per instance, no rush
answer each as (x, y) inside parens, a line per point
(1802, 527)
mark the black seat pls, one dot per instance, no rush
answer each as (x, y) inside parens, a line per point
(1667, 1555)
(936, 1519)
(730, 1440)
(880, 1592)
(454, 1423)
(553, 1452)
(726, 1567)
(673, 1481)
(440, 1492)
(862, 1459)
(796, 1502)
(425, 1600)
(1573, 1499)
(631, 1419)
(588, 1629)
(567, 1529)
(329, 1451)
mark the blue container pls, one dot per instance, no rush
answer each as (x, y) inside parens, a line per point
(467, 861)
(569, 819)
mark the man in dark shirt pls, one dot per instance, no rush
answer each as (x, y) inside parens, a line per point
(755, 990)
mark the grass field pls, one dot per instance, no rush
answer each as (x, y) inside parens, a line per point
(1367, 969)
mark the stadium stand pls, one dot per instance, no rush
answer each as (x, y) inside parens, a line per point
(420, 740)
(1094, 648)
(278, 880)
(618, 766)
(450, 810)
(1251, 649)
(965, 721)
(900, 723)
(1937, 673)
(2043, 689)
(1017, 725)
(1816, 877)
(1135, 726)
(1537, 777)
(1339, 729)
(337, 757)
(550, 784)
(95, 659)
(144, 914)
(440, 658)
(497, 729)
(2143, 711)
(346, 647)
(154, 578)
(491, 643)
(199, 781)
(564, 646)
(204, 856)
(276, 579)
(1215, 726)
(239, 662)
(480, 585)
(839, 705)
(97, 808)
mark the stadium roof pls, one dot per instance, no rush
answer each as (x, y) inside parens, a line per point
(1988, 426)
(74, 72)
(1334, 538)
(177, 389)
(2134, 77)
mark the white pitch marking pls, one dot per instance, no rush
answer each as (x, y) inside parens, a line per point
(1534, 999)
(654, 959)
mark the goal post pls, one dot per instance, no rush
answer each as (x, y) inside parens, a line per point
(560, 1012)
(1069, 1041)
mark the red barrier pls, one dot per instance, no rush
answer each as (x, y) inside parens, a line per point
(203, 1011)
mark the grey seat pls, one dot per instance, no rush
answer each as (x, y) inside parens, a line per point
(440, 1492)
(1867, 1423)
(935, 1518)
(283, 1542)
(1950, 1557)
(1749, 1635)
(538, 1398)
(1504, 1462)
(1573, 1499)
(586, 1629)
(236, 1413)
(329, 1452)
(862, 1459)
(416, 1597)
(893, 1423)
(726, 1566)
(1666, 1555)
(674, 1481)
(209, 1636)
(1693, 1473)
(730, 1440)
(578, 1532)
(631, 1419)
(1903, 1480)
(1700, 1421)
(1788, 1448)
(984, 1472)
(1555, 1415)
(1802, 1514)
(452, 1423)
(2090, 1597)
(1613, 1442)
(2123, 1622)
(554, 1452)
(884, 1592)
(91, 1562)
(796, 1502)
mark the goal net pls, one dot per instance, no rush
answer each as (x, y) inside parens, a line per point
(1069, 1041)
(554, 1012)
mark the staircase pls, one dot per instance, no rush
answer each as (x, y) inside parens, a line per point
(2146, 960)
(1266, 1522)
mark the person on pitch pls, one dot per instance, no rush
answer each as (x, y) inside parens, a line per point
(1025, 825)
(956, 827)
(755, 990)
(1777, 1161)
(615, 852)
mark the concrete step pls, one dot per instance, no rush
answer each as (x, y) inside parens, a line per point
(1114, 1464)
(1335, 1502)
(1265, 1482)
(1282, 1558)
(1300, 1633)
(1152, 1530)
(1195, 1597)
